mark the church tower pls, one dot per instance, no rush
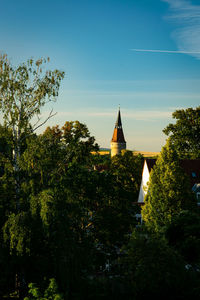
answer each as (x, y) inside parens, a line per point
(118, 142)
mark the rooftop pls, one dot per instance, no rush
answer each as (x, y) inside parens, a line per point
(190, 166)
(118, 135)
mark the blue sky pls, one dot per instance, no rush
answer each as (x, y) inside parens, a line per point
(102, 46)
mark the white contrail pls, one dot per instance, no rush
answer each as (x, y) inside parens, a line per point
(185, 15)
(166, 51)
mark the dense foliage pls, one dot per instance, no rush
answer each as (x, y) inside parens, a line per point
(67, 217)
(73, 219)
(169, 191)
(184, 134)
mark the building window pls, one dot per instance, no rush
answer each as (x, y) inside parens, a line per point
(198, 197)
(194, 175)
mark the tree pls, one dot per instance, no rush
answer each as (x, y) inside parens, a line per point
(58, 152)
(49, 238)
(184, 134)
(169, 191)
(113, 213)
(24, 90)
(127, 170)
(183, 234)
(151, 269)
(51, 293)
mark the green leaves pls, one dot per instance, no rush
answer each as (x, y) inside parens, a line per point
(152, 268)
(169, 191)
(17, 233)
(24, 90)
(183, 234)
(47, 204)
(185, 133)
(51, 292)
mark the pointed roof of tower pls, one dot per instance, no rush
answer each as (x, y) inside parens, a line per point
(118, 123)
(118, 135)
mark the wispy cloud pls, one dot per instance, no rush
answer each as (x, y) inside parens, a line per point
(186, 16)
(166, 51)
(137, 115)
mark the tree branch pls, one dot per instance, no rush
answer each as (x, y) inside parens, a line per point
(38, 120)
(50, 116)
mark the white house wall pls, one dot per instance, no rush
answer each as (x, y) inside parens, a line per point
(143, 186)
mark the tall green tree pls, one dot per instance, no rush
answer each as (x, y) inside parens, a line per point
(169, 191)
(58, 154)
(127, 170)
(24, 90)
(113, 217)
(57, 192)
(184, 134)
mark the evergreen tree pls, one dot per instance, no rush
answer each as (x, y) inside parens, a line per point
(169, 191)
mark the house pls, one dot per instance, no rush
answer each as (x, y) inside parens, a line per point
(148, 165)
(191, 168)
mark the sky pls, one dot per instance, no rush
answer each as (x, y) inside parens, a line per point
(143, 55)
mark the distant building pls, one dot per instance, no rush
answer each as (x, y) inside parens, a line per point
(148, 165)
(118, 142)
(190, 166)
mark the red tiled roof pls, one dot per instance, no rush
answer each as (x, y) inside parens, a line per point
(190, 166)
(150, 163)
(192, 169)
(118, 136)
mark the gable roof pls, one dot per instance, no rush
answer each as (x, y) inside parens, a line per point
(190, 166)
(150, 163)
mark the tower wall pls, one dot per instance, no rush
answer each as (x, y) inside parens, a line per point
(116, 148)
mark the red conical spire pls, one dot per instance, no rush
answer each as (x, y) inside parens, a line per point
(118, 135)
